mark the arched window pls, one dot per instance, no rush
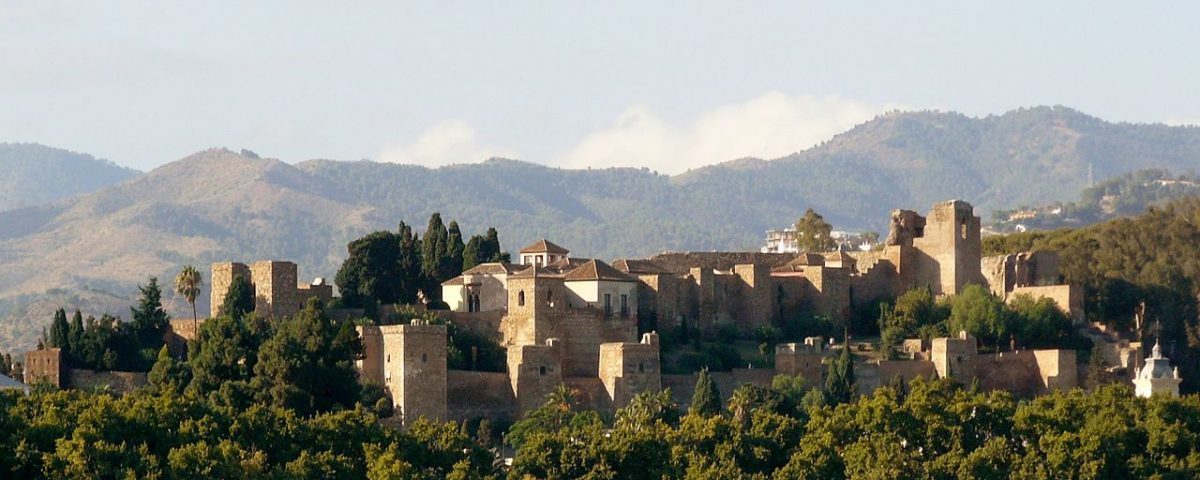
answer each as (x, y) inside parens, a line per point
(521, 298)
(424, 358)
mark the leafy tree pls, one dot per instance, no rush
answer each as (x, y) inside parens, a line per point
(371, 273)
(979, 313)
(813, 233)
(188, 283)
(705, 398)
(1039, 322)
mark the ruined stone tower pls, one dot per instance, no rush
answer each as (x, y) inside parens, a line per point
(948, 249)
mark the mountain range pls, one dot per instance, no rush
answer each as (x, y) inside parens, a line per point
(90, 250)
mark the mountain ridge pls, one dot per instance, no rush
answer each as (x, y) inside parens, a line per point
(218, 204)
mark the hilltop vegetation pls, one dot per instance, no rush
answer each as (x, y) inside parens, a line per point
(35, 174)
(1139, 274)
(220, 205)
(1124, 196)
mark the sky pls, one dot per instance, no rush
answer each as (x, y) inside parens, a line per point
(664, 85)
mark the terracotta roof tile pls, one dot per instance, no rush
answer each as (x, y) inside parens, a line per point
(546, 246)
(597, 270)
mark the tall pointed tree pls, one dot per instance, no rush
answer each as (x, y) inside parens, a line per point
(705, 398)
(452, 263)
(150, 321)
(59, 337)
(839, 385)
(188, 283)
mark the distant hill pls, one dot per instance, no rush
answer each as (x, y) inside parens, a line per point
(35, 174)
(1124, 196)
(221, 205)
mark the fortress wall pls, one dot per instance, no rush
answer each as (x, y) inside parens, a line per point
(120, 382)
(1016, 372)
(472, 394)
(1068, 297)
(589, 392)
(583, 330)
(682, 386)
(485, 323)
(683, 262)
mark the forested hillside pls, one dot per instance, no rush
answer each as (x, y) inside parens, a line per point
(1124, 196)
(34, 174)
(221, 205)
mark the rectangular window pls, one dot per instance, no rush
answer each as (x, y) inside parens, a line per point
(608, 304)
(624, 305)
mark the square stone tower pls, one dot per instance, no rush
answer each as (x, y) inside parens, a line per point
(220, 279)
(275, 288)
(949, 249)
(413, 368)
(627, 369)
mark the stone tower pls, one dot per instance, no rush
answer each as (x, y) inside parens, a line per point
(949, 249)
(627, 369)
(954, 358)
(220, 279)
(1157, 377)
(410, 362)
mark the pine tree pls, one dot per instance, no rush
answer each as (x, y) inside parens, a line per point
(150, 322)
(308, 364)
(239, 299)
(705, 398)
(168, 374)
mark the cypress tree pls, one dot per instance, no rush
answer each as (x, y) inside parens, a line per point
(75, 333)
(433, 248)
(58, 332)
(410, 264)
(472, 255)
(839, 386)
(452, 263)
(705, 398)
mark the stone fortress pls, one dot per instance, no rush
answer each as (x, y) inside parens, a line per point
(592, 326)
(575, 321)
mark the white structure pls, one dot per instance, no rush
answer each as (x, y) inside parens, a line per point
(784, 241)
(1157, 377)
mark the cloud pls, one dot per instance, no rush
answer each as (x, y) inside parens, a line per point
(770, 126)
(443, 144)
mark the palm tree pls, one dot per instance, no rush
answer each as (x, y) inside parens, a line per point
(188, 284)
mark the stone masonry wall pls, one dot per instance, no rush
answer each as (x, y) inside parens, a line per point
(45, 366)
(479, 394)
(220, 279)
(627, 369)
